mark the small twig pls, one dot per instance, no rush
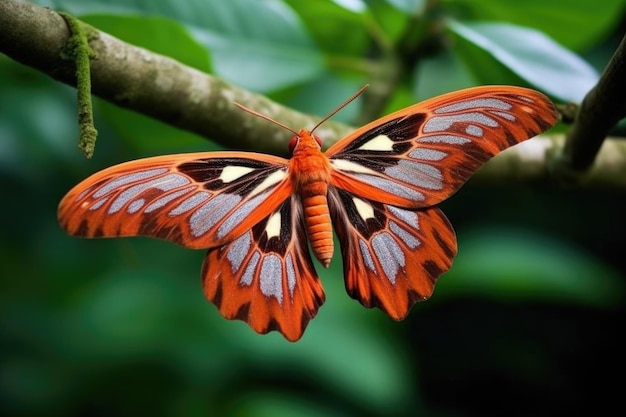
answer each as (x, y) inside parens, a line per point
(599, 112)
(79, 51)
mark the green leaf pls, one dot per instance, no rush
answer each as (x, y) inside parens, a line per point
(160, 35)
(324, 94)
(262, 46)
(576, 24)
(38, 122)
(441, 74)
(531, 55)
(150, 136)
(327, 21)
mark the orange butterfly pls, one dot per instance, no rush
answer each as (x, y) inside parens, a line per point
(255, 213)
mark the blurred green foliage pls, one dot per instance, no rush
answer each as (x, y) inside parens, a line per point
(526, 322)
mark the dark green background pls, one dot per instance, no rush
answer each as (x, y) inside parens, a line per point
(527, 322)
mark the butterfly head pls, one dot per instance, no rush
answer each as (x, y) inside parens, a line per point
(304, 139)
(304, 136)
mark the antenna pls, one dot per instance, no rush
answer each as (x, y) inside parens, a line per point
(264, 117)
(331, 114)
(341, 106)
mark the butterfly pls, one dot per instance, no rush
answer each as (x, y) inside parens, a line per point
(257, 214)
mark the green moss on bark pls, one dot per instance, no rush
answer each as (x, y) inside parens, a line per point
(79, 51)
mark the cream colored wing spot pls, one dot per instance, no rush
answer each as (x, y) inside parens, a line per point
(231, 173)
(379, 143)
(349, 166)
(273, 178)
(272, 229)
(365, 210)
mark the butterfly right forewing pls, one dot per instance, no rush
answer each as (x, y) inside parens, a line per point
(420, 155)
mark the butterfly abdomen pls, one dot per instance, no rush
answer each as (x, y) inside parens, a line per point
(317, 218)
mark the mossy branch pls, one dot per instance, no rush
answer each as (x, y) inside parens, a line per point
(79, 51)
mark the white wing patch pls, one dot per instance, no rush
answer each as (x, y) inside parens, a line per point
(345, 165)
(379, 143)
(271, 179)
(365, 210)
(273, 226)
(231, 173)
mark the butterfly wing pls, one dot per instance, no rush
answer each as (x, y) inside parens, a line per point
(391, 256)
(387, 176)
(421, 155)
(240, 205)
(266, 277)
(197, 200)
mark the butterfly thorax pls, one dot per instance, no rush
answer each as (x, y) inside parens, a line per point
(311, 173)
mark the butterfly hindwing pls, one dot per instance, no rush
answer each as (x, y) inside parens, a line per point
(197, 200)
(266, 276)
(391, 256)
(421, 155)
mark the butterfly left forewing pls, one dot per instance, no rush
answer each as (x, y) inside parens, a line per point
(420, 155)
(266, 277)
(197, 200)
(392, 256)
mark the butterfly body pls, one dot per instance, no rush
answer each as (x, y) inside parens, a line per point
(311, 170)
(256, 214)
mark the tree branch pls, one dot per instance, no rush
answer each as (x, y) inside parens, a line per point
(599, 112)
(167, 90)
(528, 163)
